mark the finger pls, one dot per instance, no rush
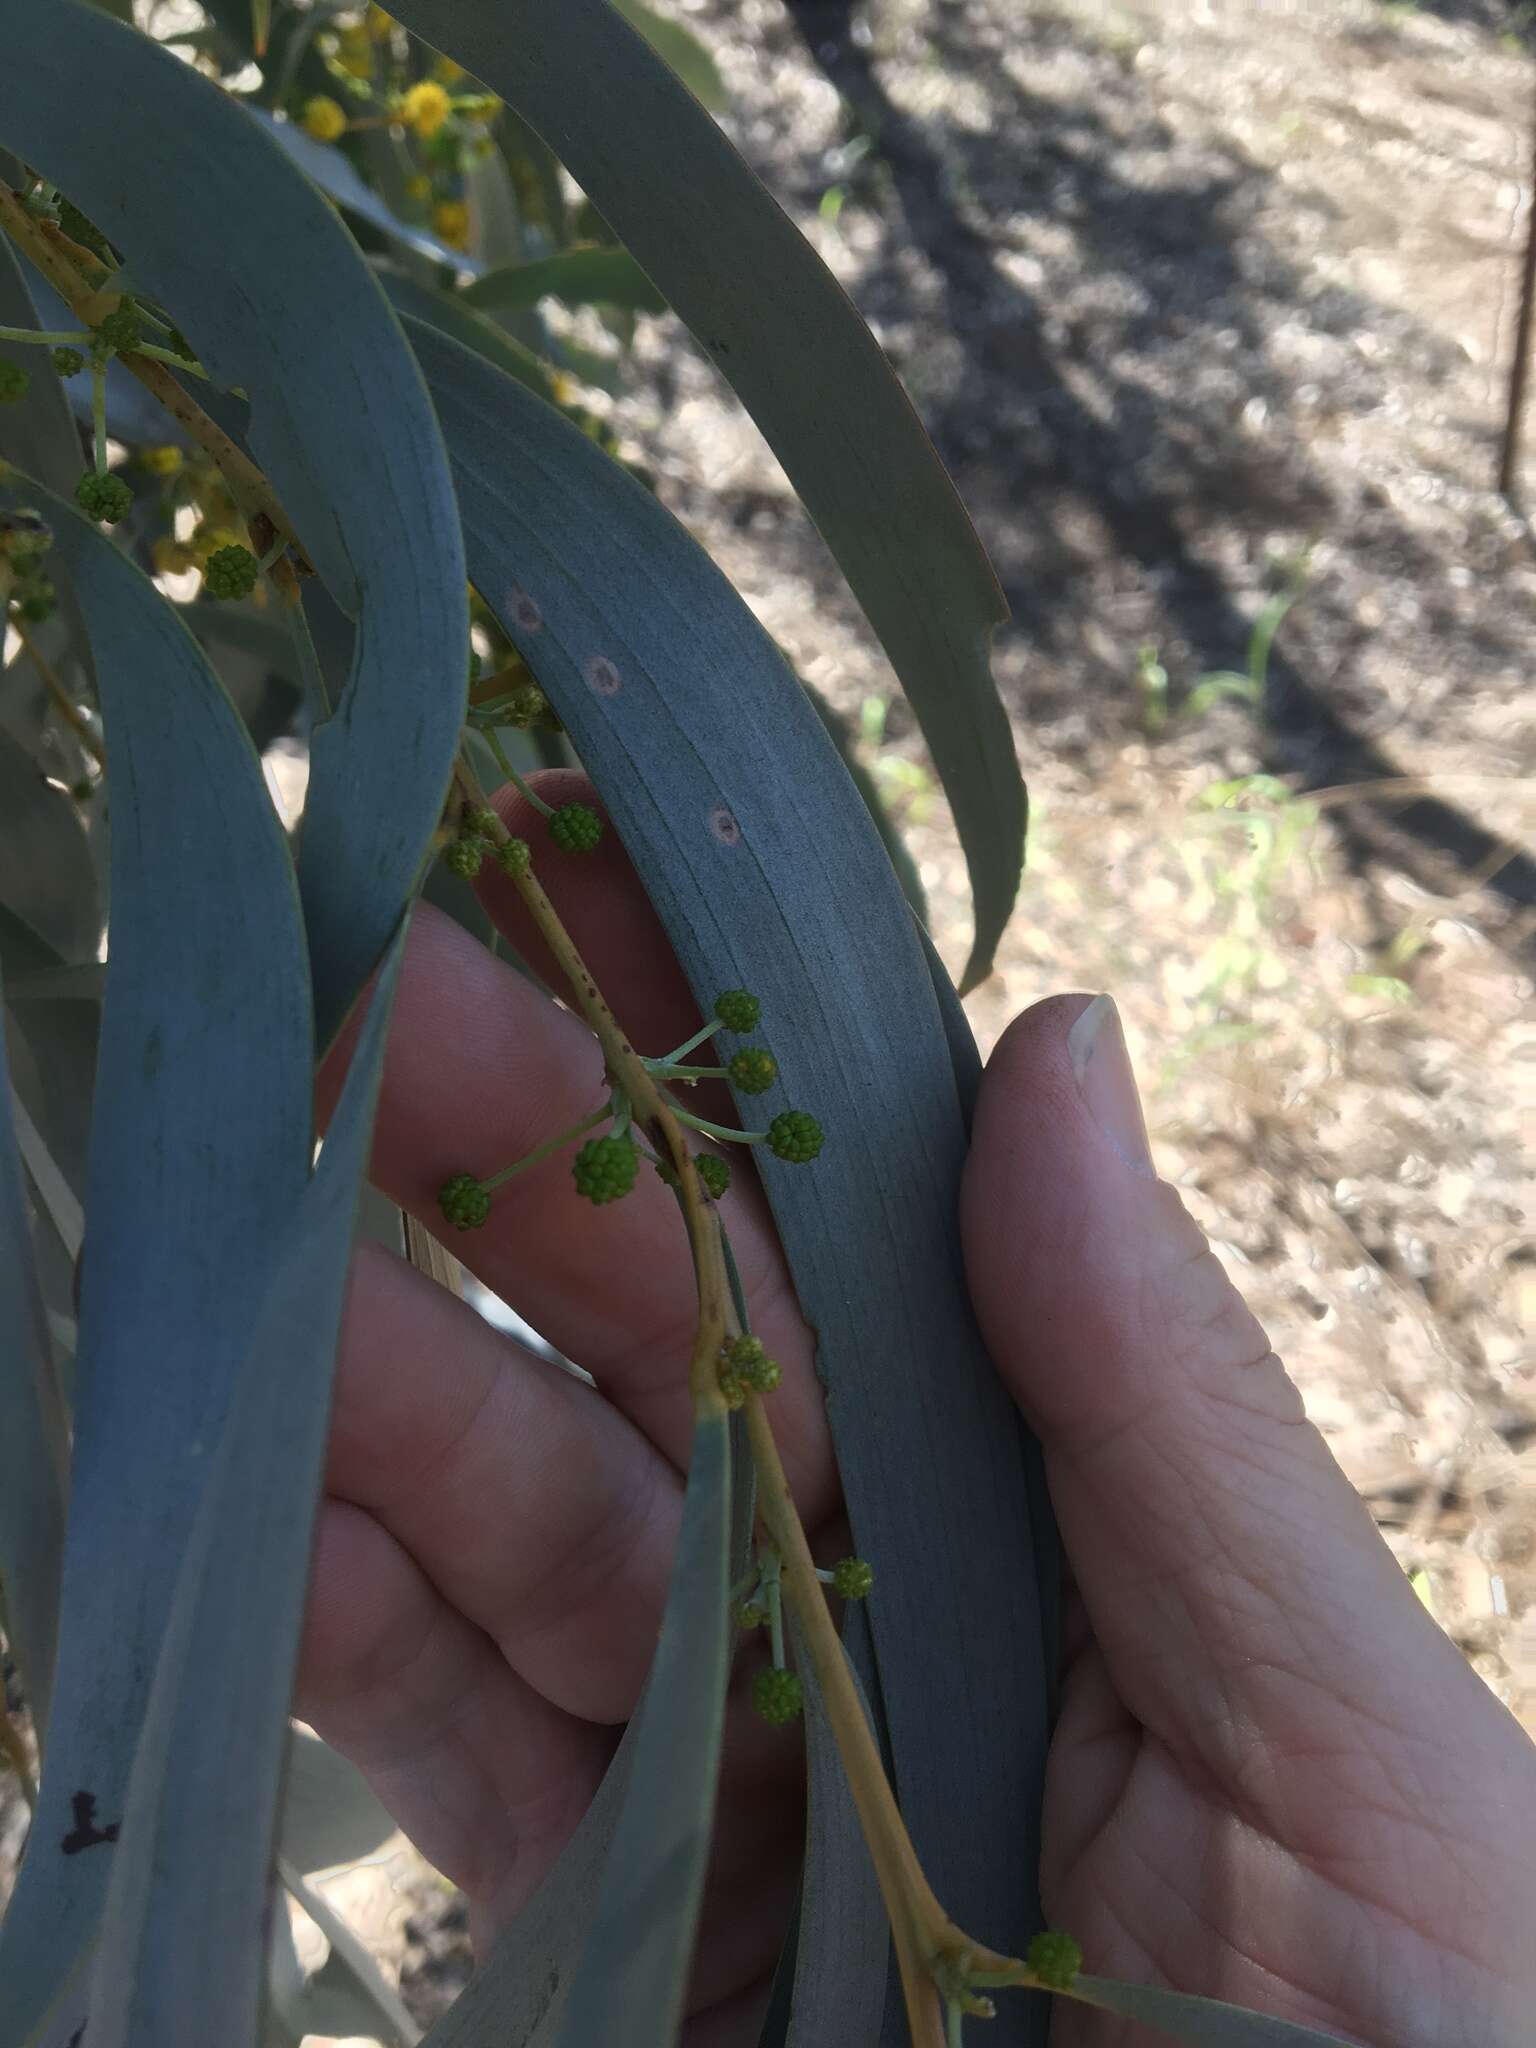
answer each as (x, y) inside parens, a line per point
(481, 1068)
(530, 1504)
(483, 1773)
(1241, 1595)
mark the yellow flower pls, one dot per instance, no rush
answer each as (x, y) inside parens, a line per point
(449, 72)
(173, 558)
(161, 461)
(354, 51)
(450, 218)
(380, 24)
(323, 118)
(425, 108)
(418, 188)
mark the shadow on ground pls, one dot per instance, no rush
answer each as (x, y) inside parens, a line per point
(1168, 402)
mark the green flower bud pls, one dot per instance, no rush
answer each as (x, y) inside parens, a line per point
(737, 1010)
(230, 572)
(605, 1168)
(714, 1171)
(465, 1201)
(751, 1614)
(106, 498)
(68, 362)
(14, 380)
(777, 1696)
(514, 857)
(753, 1069)
(462, 857)
(852, 1578)
(1055, 1959)
(795, 1135)
(121, 330)
(576, 828)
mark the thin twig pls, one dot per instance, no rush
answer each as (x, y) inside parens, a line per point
(68, 708)
(64, 266)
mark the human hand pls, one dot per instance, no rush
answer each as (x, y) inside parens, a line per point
(1261, 1791)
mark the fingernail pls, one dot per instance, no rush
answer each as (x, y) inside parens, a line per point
(1103, 1069)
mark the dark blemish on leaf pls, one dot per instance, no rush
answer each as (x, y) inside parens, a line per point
(602, 676)
(85, 1834)
(524, 610)
(722, 823)
(77, 2036)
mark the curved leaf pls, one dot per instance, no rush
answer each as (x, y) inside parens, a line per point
(579, 277)
(736, 810)
(47, 877)
(762, 305)
(190, 1182)
(34, 1444)
(278, 301)
(633, 1973)
(516, 1999)
(1186, 2018)
(175, 1961)
(348, 1994)
(338, 178)
(681, 49)
(843, 1949)
(450, 313)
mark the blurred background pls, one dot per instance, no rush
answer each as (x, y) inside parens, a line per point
(1209, 306)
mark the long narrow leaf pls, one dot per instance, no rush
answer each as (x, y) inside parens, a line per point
(1186, 2018)
(337, 176)
(351, 1983)
(763, 305)
(633, 1973)
(176, 1965)
(270, 286)
(516, 1999)
(842, 1955)
(46, 875)
(768, 874)
(34, 1443)
(455, 316)
(191, 1182)
(580, 277)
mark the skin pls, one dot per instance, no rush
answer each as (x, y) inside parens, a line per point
(1273, 1781)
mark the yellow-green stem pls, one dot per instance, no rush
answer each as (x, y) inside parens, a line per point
(65, 272)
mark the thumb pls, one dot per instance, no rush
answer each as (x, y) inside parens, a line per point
(1233, 1579)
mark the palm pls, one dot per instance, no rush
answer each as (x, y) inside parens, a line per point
(1250, 1794)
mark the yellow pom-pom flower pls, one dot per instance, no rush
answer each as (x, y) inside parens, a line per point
(419, 189)
(425, 108)
(450, 223)
(324, 118)
(161, 461)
